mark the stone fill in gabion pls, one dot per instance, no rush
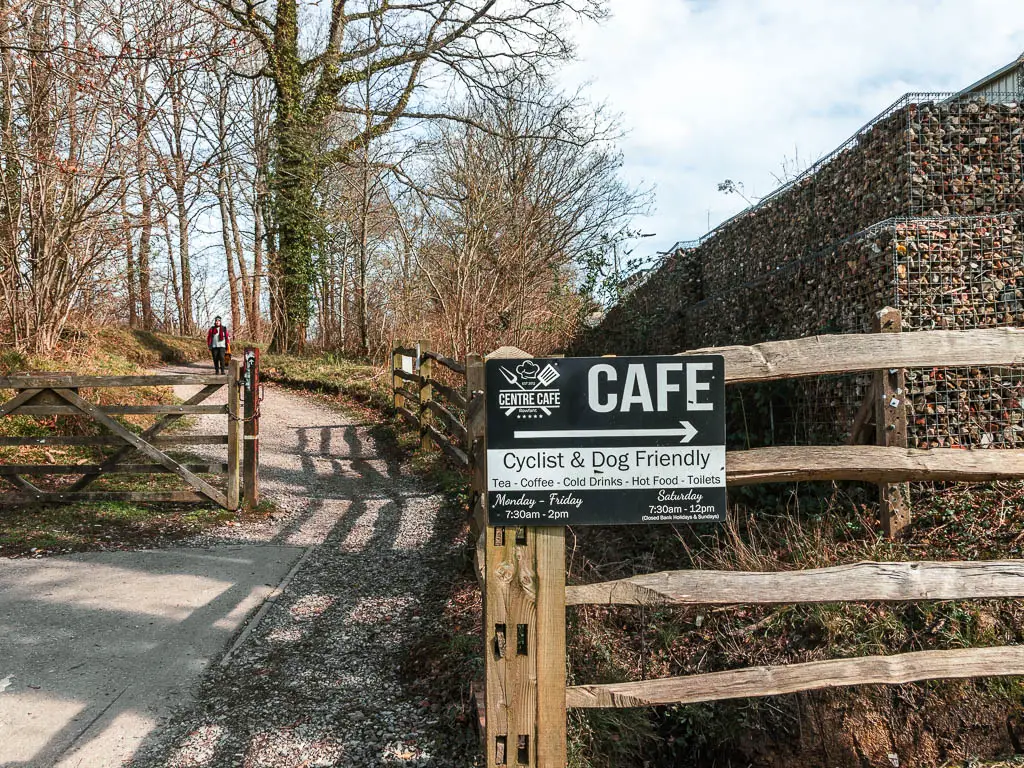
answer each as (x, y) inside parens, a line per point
(943, 177)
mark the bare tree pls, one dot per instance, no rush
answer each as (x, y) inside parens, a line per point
(477, 44)
(63, 127)
(513, 208)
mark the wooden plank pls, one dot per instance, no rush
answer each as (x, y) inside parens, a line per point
(450, 421)
(397, 398)
(499, 573)
(891, 429)
(7, 442)
(453, 396)
(447, 362)
(43, 440)
(426, 395)
(452, 451)
(120, 410)
(398, 373)
(406, 352)
(411, 417)
(870, 464)
(15, 402)
(475, 442)
(480, 560)
(478, 515)
(859, 582)
(521, 669)
(550, 732)
(149, 434)
(479, 697)
(508, 353)
(476, 414)
(478, 468)
(407, 396)
(142, 446)
(808, 676)
(234, 411)
(21, 483)
(849, 353)
(209, 468)
(78, 497)
(189, 440)
(65, 381)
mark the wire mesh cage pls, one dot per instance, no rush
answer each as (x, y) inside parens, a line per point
(941, 174)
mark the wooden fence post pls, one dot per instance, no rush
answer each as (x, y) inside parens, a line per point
(234, 432)
(551, 660)
(397, 364)
(426, 366)
(250, 412)
(524, 656)
(476, 443)
(890, 391)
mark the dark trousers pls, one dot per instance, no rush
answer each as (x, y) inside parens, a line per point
(218, 359)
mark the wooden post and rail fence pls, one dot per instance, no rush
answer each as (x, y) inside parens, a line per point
(522, 569)
(48, 394)
(431, 406)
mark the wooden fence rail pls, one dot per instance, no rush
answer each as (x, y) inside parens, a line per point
(808, 676)
(860, 582)
(851, 353)
(522, 570)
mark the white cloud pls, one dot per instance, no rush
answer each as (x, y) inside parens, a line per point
(716, 89)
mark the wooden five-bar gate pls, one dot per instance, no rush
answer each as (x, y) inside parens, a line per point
(522, 569)
(60, 395)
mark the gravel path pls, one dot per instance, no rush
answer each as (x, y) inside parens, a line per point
(314, 680)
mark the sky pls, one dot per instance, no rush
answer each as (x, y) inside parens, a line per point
(710, 90)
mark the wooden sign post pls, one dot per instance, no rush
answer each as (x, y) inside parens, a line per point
(524, 632)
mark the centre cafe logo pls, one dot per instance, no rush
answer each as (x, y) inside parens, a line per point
(531, 397)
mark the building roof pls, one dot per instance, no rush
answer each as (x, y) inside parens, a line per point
(995, 77)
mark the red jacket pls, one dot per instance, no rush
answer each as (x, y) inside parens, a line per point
(223, 334)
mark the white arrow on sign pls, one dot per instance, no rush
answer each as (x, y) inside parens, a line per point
(687, 432)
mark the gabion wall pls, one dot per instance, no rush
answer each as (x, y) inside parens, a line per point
(944, 177)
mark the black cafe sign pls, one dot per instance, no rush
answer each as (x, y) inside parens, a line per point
(606, 441)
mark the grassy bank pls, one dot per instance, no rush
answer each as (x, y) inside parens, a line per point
(357, 382)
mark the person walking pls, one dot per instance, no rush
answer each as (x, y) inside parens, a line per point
(217, 340)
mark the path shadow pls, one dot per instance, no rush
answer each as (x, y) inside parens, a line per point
(89, 639)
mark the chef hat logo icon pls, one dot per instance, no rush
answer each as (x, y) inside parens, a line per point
(527, 369)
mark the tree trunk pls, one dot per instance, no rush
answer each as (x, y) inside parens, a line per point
(262, 224)
(129, 250)
(145, 203)
(174, 275)
(188, 325)
(225, 229)
(293, 181)
(243, 266)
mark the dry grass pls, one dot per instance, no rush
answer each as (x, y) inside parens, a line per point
(610, 644)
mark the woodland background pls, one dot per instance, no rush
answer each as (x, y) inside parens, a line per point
(327, 175)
